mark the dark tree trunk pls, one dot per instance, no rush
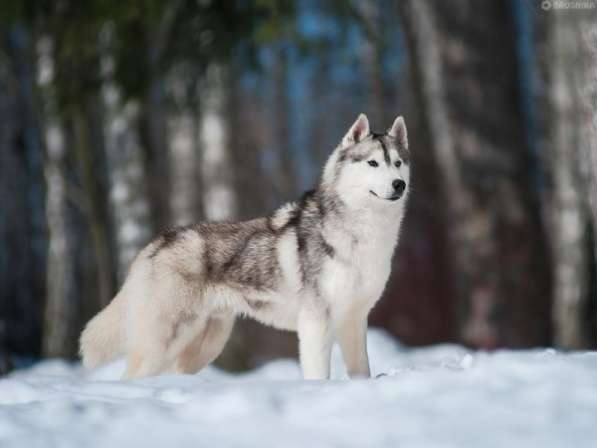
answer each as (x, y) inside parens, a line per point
(464, 57)
(183, 130)
(154, 140)
(286, 173)
(22, 222)
(153, 120)
(246, 140)
(371, 57)
(92, 165)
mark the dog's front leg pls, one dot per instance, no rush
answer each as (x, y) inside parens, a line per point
(315, 342)
(352, 336)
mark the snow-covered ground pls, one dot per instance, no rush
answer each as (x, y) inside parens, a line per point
(443, 396)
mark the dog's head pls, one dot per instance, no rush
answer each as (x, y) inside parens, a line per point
(369, 169)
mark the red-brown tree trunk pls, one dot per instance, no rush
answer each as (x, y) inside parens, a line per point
(463, 57)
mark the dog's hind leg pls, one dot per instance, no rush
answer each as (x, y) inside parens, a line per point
(141, 363)
(206, 346)
(157, 349)
(163, 317)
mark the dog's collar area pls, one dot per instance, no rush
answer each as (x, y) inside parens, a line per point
(391, 198)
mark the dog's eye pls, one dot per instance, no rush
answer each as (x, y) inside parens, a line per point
(373, 163)
(397, 163)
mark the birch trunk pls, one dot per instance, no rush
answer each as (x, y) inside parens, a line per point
(185, 155)
(127, 175)
(217, 168)
(571, 92)
(62, 307)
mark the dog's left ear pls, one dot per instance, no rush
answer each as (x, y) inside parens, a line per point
(398, 131)
(357, 132)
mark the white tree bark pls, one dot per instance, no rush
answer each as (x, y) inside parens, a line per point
(217, 169)
(128, 194)
(185, 156)
(588, 96)
(570, 163)
(61, 307)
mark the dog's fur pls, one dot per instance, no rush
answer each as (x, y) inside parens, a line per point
(316, 266)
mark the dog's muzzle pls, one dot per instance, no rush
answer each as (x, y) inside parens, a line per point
(398, 185)
(395, 196)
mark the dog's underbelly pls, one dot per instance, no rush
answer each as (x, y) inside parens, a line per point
(278, 315)
(278, 309)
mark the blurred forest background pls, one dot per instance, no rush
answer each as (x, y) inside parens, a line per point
(120, 118)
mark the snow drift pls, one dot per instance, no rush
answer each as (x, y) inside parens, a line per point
(442, 396)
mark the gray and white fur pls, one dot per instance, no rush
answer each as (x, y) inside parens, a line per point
(315, 266)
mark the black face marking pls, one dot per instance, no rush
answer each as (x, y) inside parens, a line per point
(402, 151)
(386, 153)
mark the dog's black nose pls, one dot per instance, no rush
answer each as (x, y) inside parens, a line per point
(399, 185)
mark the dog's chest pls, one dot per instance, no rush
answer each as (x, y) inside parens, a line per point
(359, 271)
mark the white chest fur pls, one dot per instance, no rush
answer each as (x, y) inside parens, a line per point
(360, 268)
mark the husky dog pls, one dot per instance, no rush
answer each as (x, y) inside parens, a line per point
(316, 266)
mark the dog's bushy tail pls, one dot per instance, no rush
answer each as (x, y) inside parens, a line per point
(102, 339)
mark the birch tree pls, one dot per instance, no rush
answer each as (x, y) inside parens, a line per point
(570, 160)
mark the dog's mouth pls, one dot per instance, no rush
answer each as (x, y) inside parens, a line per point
(394, 197)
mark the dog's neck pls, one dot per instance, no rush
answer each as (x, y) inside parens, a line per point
(366, 223)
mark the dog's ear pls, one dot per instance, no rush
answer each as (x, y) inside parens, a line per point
(398, 131)
(357, 132)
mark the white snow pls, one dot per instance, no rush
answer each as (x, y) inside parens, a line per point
(442, 396)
